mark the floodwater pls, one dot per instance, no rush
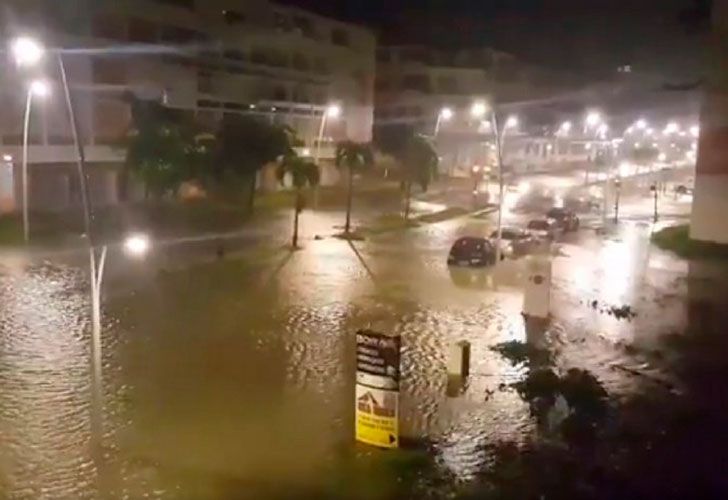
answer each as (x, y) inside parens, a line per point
(239, 378)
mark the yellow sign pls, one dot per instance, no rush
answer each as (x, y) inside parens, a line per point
(377, 416)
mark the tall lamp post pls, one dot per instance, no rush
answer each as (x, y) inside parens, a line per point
(653, 189)
(28, 52)
(617, 189)
(332, 111)
(445, 115)
(37, 88)
(478, 109)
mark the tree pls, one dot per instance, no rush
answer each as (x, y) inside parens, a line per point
(160, 147)
(352, 156)
(302, 173)
(419, 163)
(244, 145)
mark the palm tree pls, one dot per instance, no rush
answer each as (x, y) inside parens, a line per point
(302, 173)
(352, 156)
(419, 161)
(244, 145)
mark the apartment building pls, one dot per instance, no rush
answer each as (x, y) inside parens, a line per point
(210, 57)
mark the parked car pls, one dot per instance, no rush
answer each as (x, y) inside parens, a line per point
(683, 190)
(567, 220)
(582, 203)
(546, 229)
(471, 251)
(514, 241)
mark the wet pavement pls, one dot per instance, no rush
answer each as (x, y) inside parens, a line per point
(239, 376)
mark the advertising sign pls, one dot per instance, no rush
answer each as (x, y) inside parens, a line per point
(377, 389)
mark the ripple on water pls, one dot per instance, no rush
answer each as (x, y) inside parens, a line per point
(45, 377)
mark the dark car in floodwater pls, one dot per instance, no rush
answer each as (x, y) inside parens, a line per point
(566, 219)
(471, 251)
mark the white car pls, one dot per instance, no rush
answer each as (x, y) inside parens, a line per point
(514, 241)
(545, 229)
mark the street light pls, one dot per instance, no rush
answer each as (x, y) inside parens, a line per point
(565, 128)
(593, 118)
(602, 130)
(332, 111)
(641, 124)
(37, 88)
(7, 158)
(511, 122)
(445, 114)
(671, 128)
(695, 131)
(26, 51)
(478, 109)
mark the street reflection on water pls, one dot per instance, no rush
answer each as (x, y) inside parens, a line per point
(245, 374)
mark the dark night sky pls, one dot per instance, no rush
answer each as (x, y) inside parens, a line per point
(582, 35)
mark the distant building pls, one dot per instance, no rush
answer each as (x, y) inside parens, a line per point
(433, 91)
(208, 57)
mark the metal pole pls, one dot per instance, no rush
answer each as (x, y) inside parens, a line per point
(499, 159)
(26, 123)
(437, 125)
(616, 203)
(655, 216)
(96, 413)
(317, 150)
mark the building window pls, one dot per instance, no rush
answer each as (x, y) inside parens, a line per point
(340, 37)
(109, 71)
(259, 56)
(173, 34)
(204, 82)
(320, 66)
(207, 103)
(300, 62)
(280, 94)
(236, 55)
(110, 27)
(280, 21)
(142, 31)
(233, 18)
(185, 4)
(447, 85)
(303, 26)
(419, 83)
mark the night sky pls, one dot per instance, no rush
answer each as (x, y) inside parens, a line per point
(583, 35)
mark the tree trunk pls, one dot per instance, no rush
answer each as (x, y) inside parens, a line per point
(296, 211)
(349, 196)
(251, 194)
(407, 196)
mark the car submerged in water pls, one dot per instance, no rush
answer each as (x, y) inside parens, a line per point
(472, 251)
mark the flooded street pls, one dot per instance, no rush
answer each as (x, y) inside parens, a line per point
(238, 376)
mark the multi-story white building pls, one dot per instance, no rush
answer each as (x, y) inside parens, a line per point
(210, 57)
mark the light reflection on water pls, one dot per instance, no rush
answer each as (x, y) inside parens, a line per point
(249, 376)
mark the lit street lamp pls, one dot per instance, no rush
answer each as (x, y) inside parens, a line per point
(641, 124)
(478, 109)
(27, 52)
(445, 114)
(565, 128)
(37, 88)
(593, 118)
(511, 122)
(332, 111)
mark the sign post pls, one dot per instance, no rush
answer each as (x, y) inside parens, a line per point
(377, 389)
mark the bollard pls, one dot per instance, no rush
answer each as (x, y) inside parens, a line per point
(458, 362)
(537, 295)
